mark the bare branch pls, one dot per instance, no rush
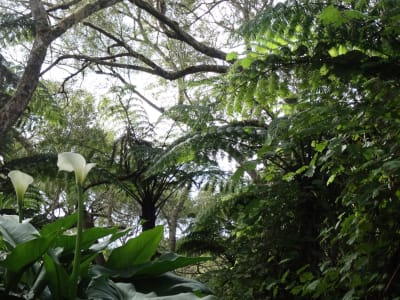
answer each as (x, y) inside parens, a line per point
(180, 34)
(169, 75)
(133, 90)
(63, 6)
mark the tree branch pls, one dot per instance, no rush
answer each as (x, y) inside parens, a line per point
(169, 75)
(13, 109)
(180, 34)
(63, 6)
(133, 90)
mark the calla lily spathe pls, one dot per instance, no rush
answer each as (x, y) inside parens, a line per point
(20, 181)
(74, 162)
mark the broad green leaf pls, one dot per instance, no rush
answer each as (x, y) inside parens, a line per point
(101, 245)
(59, 225)
(56, 275)
(136, 251)
(165, 263)
(89, 237)
(14, 232)
(170, 284)
(101, 288)
(26, 253)
(169, 262)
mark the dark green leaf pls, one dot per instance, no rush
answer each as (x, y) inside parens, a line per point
(136, 251)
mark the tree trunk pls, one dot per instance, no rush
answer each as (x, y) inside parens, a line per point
(148, 217)
(173, 220)
(172, 225)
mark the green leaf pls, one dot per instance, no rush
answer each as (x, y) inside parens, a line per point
(246, 62)
(89, 237)
(169, 262)
(306, 276)
(170, 284)
(97, 247)
(14, 232)
(238, 174)
(231, 56)
(56, 275)
(313, 285)
(26, 253)
(391, 167)
(59, 225)
(136, 251)
(319, 146)
(353, 14)
(333, 52)
(331, 16)
(349, 295)
(101, 288)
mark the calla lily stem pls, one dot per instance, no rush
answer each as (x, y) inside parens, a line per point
(20, 207)
(78, 243)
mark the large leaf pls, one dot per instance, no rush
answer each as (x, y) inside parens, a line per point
(60, 281)
(169, 262)
(59, 226)
(107, 240)
(14, 232)
(170, 284)
(26, 253)
(165, 263)
(101, 288)
(56, 275)
(89, 237)
(136, 251)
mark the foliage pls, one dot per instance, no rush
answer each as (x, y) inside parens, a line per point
(321, 219)
(52, 263)
(37, 263)
(308, 112)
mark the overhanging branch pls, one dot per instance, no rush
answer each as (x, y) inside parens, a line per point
(169, 75)
(180, 34)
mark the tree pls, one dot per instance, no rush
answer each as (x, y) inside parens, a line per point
(321, 79)
(52, 21)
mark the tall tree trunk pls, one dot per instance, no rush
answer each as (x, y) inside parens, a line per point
(174, 218)
(172, 225)
(148, 216)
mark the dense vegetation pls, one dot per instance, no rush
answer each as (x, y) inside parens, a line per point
(307, 117)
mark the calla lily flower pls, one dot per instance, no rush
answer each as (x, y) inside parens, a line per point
(20, 181)
(74, 162)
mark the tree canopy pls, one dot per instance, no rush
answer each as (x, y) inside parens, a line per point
(283, 114)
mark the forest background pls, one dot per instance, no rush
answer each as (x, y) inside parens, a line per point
(299, 97)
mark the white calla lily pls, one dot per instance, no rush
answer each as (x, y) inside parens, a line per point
(74, 162)
(20, 181)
